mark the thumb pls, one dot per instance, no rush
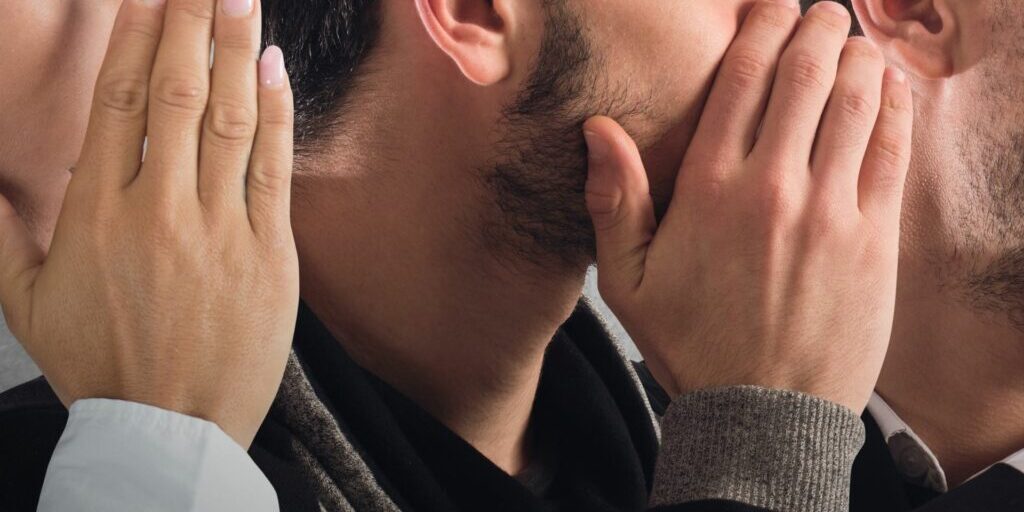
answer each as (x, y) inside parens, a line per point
(20, 261)
(620, 205)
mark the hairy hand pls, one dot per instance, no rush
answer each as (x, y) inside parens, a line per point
(776, 262)
(172, 279)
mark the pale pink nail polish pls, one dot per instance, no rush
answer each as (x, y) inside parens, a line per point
(272, 72)
(237, 8)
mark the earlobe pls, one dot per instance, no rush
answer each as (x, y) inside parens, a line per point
(920, 35)
(473, 33)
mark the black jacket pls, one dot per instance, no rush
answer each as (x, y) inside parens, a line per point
(589, 419)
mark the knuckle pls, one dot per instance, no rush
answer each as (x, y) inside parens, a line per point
(774, 200)
(197, 10)
(826, 219)
(858, 106)
(163, 216)
(773, 16)
(137, 31)
(829, 20)
(711, 203)
(605, 210)
(862, 48)
(124, 95)
(872, 255)
(238, 41)
(602, 202)
(161, 231)
(746, 67)
(890, 151)
(896, 105)
(277, 119)
(268, 180)
(231, 122)
(805, 71)
(179, 92)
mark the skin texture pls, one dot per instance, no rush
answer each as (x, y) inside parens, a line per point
(811, 230)
(51, 57)
(170, 281)
(957, 333)
(446, 294)
(431, 275)
(953, 372)
(413, 303)
(477, 294)
(495, 291)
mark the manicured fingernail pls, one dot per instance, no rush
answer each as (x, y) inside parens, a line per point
(896, 75)
(272, 72)
(597, 147)
(152, 3)
(237, 8)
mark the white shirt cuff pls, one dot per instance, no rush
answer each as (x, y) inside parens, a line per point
(1016, 461)
(117, 455)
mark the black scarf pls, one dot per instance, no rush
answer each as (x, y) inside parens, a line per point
(589, 420)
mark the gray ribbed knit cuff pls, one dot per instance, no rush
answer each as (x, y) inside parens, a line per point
(773, 449)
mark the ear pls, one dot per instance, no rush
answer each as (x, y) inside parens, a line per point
(921, 35)
(474, 34)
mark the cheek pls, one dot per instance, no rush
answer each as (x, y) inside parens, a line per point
(667, 59)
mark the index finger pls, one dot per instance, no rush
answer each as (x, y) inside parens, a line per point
(117, 125)
(740, 93)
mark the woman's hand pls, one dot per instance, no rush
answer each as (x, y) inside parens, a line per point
(172, 279)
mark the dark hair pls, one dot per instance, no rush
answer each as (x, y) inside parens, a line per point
(855, 30)
(324, 42)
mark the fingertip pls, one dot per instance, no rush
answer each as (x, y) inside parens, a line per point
(897, 97)
(600, 124)
(598, 148)
(272, 72)
(896, 82)
(612, 154)
(895, 75)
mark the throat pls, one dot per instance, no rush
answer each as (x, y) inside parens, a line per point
(417, 299)
(481, 389)
(953, 375)
(464, 345)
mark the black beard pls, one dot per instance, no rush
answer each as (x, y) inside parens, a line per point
(998, 286)
(539, 182)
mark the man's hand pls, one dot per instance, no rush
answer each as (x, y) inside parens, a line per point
(172, 279)
(776, 262)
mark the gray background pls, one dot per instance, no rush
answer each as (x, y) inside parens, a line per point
(16, 367)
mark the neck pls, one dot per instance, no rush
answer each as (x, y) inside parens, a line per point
(953, 368)
(400, 274)
(953, 373)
